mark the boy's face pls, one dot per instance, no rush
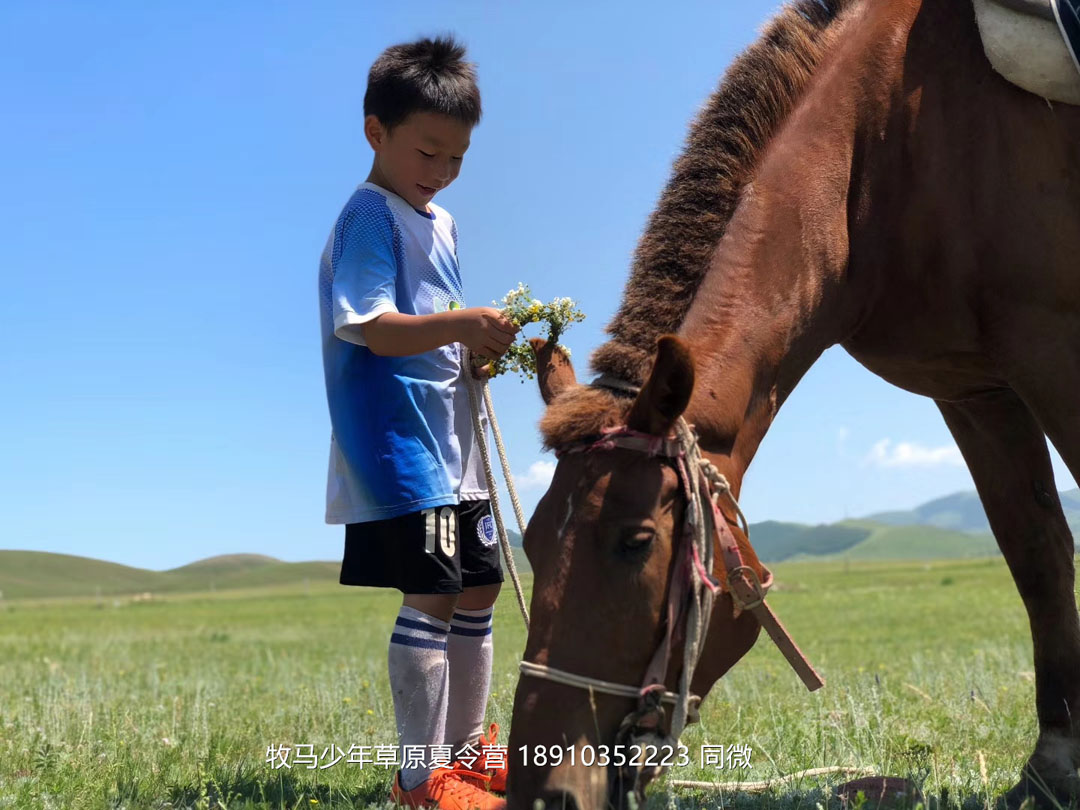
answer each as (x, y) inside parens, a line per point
(420, 156)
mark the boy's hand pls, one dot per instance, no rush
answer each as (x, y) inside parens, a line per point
(482, 372)
(485, 331)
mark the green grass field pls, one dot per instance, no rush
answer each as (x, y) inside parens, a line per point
(172, 702)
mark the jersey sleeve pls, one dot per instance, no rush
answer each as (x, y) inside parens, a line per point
(365, 268)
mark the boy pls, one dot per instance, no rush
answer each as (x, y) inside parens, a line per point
(405, 473)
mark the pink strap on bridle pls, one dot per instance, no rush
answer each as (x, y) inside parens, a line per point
(748, 597)
(746, 588)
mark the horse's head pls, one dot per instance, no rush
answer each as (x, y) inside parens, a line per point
(606, 546)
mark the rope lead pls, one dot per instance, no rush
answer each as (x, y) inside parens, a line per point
(471, 384)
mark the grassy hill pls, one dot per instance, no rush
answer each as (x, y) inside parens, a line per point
(226, 562)
(953, 527)
(866, 540)
(909, 543)
(255, 574)
(43, 574)
(962, 511)
(774, 540)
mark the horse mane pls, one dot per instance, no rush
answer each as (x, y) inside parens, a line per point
(723, 147)
(725, 142)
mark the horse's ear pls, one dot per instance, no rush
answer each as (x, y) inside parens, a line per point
(553, 369)
(666, 393)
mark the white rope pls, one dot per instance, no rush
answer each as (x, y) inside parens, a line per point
(585, 682)
(720, 484)
(755, 787)
(493, 489)
(701, 597)
(518, 515)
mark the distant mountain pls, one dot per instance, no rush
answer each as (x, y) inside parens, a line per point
(963, 512)
(865, 540)
(774, 541)
(43, 574)
(951, 527)
(37, 574)
(225, 562)
(919, 543)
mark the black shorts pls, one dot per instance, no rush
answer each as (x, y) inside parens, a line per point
(439, 550)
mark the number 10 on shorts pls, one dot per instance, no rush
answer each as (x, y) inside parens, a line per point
(440, 526)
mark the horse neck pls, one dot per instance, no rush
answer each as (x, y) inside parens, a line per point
(762, 317)
(777, 292)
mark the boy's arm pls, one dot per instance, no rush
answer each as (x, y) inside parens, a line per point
(484, 330)
(364, 297)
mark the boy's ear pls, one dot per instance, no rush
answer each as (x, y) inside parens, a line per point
(374, 131)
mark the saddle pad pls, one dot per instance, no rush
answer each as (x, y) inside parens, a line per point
(1029, 50)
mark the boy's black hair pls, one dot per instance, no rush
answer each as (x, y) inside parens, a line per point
(429, 75)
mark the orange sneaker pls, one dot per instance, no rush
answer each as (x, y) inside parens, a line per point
(447, 789)
(491, 769)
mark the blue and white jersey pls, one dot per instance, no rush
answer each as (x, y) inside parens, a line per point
(402, 438)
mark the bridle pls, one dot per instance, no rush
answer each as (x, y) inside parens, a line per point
(691, 590)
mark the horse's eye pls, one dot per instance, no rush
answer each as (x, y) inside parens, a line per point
(636, 538)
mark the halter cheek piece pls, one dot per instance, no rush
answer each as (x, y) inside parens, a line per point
(691, 592)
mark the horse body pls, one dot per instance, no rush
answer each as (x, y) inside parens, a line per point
(968, 222)
(909, 205)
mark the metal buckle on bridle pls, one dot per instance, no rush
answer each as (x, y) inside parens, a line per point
(648, 716)
(759, 590)
(641, 728)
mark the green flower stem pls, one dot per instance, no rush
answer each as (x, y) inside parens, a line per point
(521, 309)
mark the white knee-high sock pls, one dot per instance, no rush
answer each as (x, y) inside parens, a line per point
(468, 652)
(418, 681)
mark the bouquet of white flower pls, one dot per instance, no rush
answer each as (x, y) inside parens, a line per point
(520, 308)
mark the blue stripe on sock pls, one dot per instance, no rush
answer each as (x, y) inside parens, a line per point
(475, 619)
(470, 631)
(413, 641)
(415, 625)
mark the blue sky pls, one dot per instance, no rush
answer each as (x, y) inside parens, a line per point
(172, 173)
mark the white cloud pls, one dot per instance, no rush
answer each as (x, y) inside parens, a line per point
(911, 454)
(539, 475)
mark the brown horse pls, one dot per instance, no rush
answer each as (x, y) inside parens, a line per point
(861, 177)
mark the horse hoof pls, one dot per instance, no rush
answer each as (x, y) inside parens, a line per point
(1033, 793)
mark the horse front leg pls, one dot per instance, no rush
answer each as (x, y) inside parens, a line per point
(1006, 452)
